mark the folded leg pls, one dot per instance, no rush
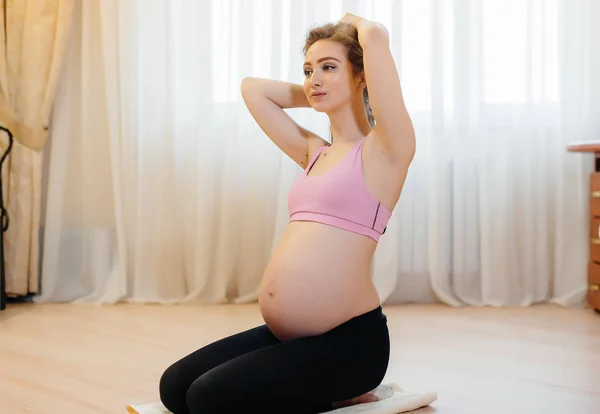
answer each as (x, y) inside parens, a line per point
(176, 380)
(303, 376)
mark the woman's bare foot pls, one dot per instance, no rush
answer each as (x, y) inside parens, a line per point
(365, 398)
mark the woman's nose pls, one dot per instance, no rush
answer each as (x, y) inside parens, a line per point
(315, 79)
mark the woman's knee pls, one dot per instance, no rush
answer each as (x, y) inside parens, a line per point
(173, 388)
(206, 396)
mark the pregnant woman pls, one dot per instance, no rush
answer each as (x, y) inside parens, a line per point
(325, 342)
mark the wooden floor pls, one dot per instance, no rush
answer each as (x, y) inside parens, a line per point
(78, 359)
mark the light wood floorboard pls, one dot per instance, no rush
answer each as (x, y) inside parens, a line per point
(79, 359)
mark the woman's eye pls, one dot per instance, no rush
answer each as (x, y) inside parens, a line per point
(307, 72)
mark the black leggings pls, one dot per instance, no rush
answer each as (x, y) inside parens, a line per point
(254, 372)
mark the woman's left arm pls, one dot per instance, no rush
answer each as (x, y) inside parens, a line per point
(394, 129)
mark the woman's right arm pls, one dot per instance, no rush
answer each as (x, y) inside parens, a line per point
(266, 100)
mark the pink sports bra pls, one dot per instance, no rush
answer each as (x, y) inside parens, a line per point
(339, 197)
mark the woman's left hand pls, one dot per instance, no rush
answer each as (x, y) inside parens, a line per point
(360, 22)
(352, 19)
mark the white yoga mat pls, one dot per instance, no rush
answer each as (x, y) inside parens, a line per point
(392, 400)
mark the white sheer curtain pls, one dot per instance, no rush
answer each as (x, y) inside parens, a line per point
(161, 188)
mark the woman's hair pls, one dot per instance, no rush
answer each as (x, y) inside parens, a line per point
(347, 35)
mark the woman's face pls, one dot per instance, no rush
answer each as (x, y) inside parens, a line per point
(328, 79)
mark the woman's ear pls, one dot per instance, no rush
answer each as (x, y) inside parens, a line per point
(362, 80)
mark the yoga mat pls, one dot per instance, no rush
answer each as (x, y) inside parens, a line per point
(392, 400)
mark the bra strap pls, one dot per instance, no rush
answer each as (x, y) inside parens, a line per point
(314, 159)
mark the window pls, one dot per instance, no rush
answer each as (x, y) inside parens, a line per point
(502, 52)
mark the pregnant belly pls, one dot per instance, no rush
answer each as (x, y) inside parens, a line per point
(315, 282)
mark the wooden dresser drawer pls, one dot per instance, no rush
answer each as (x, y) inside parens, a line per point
(593, 297)
(593, 273)
(593, 294)
(594, 239)
(595, 194)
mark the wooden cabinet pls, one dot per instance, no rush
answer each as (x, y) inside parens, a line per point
(593, 294)
(594, 239)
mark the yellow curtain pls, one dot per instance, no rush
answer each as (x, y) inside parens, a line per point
(33, 40)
